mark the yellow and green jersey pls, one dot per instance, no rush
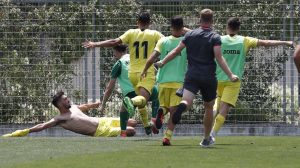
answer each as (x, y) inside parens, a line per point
(172, 74)
(141, 44)
(234, 51)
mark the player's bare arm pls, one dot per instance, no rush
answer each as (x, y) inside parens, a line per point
(86, 107)
(221, 61)
(108, 91)
(171, 55)
(106, 43)
(149, 63)
(51, 123)
(269, 43)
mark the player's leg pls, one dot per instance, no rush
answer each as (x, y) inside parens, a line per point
(124, 116)
(171, 101)
(169, 132)
(208, 90)
(184, 105)
(130, 131)
(228, 99)
(297, 57)
(132, 123)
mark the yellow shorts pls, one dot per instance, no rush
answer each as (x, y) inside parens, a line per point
(167, 97)
(228, 92)
(108, 127)
(147, 83)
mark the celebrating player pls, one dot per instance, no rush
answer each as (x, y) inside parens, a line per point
(73, 118)
(234, 49)
(170, 77)
(119, 73)
(202, 45)
(141, 42)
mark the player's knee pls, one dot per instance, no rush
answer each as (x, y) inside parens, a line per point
(130, 131)
(132, 123)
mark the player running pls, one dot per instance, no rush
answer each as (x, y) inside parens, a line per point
(202, 45)
(234, 49)
(170, 77)
(141, 43)
(73, 118)
(119, 73)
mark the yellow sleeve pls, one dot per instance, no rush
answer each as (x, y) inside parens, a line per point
(249, 43)
(159, 35)
(159, 45)
(125, 38)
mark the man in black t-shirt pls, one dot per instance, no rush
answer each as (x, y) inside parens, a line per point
(203, 46)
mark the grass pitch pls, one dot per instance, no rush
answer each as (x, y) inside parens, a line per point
(88, 152)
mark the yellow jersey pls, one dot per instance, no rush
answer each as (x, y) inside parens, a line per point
(141, 44)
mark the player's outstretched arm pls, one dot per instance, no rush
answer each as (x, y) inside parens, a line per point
(171, 55)
(106, 43)
(86, 107)
(107, 93)
(149, 63)
(221, 61)
(36, 128)
(269, 43)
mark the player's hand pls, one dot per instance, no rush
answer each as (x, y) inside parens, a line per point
(88, 44)
(18, 133)
(234, 78)
(143, 75)
(159, 64)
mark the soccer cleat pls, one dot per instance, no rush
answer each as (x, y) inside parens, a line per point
(153, 127)
(148, 130)
(166, 142)
(206, 143)
(159, 118)
(127, 102)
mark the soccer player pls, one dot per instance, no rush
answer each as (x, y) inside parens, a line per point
(141, 43)
(202, 45)
(170, 77)
(119, 73)
(234, 48)
(73, 118)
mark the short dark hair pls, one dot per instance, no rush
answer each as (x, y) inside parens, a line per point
(144, 17)
(177, 22)
(56, 98)
(233, 23)
(120, 48)
(206, 16)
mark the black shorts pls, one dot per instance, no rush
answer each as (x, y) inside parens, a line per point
(207, 87)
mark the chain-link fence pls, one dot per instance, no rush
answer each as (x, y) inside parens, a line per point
(41, 53)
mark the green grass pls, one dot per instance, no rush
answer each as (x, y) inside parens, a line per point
(86, 152)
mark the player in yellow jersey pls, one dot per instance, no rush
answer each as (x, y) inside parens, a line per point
(234, 49)
(141, 43)
(73, 118)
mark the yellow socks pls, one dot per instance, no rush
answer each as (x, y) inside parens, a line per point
(144, 116)
(139, 101)
(168, 134)
(219, 121)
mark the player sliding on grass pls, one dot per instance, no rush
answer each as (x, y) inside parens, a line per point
(170, 77)
(73, 118)
(202, 45)
(141, 42)
(119, 73)
(234, 50)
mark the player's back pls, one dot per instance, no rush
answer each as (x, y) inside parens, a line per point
(141, 43)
